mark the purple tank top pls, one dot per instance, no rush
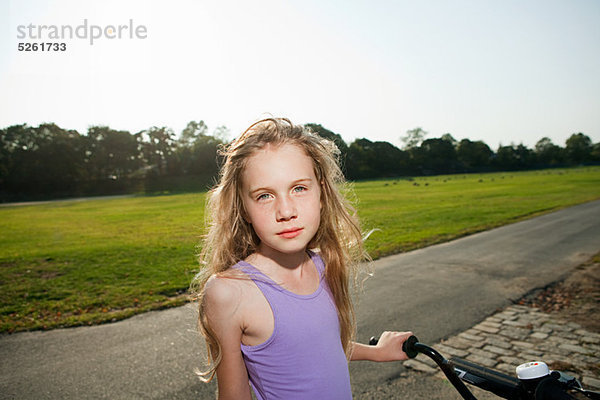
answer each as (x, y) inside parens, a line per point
(303, 358)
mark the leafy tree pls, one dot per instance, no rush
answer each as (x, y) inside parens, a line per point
(390, 160)
(438, 156)
(526, 156)
(506, 158)
(413, 138)
(595, 153)
(61, 156)
(473, 156)
(43, 159)
(221, 133)
(361, 160)
(579, 148)
(182, 157)
(367, 159)
(158, 148)
(4, 156)
(196, 151)
(112, 154)
(514, 157)
(335, 138)
(204, 156)
(327, 134)
(548, 153)
(14, 140)
(449, 138)
(191, 132)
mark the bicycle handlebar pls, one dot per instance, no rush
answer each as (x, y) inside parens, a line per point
(496, 382)
(412, 347)
(552, 387)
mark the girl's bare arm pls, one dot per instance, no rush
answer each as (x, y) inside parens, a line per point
(223, 299)
(389, 348)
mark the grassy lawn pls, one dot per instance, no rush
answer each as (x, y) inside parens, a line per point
(74, 263)
(427, 210)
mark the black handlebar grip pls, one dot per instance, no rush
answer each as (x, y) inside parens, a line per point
(409, 346)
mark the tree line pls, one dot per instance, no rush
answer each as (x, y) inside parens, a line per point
(50, 162)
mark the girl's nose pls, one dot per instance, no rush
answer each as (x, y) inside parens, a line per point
(286, 209)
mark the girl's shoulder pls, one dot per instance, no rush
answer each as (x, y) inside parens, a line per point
(226, 289)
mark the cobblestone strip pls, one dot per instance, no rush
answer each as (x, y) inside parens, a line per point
(521, 334)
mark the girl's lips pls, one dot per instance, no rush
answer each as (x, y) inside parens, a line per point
(290, 233)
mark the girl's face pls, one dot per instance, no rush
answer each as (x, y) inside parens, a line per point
(282, 198)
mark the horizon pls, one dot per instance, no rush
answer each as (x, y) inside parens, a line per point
(215, 132)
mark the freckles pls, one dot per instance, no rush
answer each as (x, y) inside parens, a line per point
(262, 212)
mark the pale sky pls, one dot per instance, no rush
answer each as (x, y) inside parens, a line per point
(504, 71)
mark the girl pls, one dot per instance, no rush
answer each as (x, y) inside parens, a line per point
(282, 247)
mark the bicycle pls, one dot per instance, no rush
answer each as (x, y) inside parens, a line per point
(534, 380)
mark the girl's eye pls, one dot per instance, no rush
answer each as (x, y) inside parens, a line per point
(299, 189)
(263, 196)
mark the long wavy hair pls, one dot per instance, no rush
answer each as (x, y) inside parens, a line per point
(230, 238)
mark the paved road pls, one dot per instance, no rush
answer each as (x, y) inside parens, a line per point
(436, 292)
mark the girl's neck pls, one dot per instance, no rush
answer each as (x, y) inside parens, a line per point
(271, 261)
(294, 272)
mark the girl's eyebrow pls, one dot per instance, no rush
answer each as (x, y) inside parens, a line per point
(294, 183)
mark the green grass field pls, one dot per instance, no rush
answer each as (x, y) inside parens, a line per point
(73, 263)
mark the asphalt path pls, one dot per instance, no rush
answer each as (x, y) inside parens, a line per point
(435, 292)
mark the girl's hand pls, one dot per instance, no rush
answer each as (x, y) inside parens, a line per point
(389, 347)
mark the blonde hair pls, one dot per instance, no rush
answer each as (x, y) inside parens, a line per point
(230, 237)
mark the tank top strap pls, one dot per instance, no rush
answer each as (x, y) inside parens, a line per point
(266, 285)
(252, 272)
(318, 261)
